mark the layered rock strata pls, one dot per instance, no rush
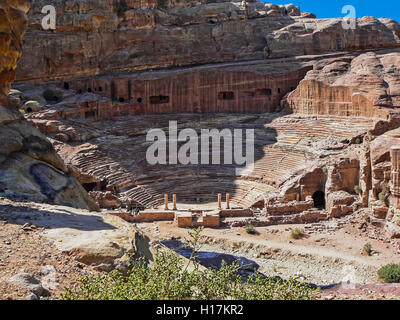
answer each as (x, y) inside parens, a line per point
(30, 168)
(102, 37)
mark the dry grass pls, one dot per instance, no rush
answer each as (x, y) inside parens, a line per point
(297, 234)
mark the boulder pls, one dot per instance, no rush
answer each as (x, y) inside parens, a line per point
(30, 168)
(340, 203)
(32, 106)
(28, 281)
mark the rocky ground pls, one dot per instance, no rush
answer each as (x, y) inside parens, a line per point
(45, 248)
(329, 253)
(25, 251)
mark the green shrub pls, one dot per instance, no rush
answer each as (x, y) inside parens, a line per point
(358, 141)
(367, 249)
(297, 234)
(250, 229)
(367, 218)
(357, 190)
(169, 278)
(385, 191)
(382, 196)
(390, 273)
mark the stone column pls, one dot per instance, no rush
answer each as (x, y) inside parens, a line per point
(219, 201)
(228, 198)
(174, 200)
(395, 157)
(166, 201)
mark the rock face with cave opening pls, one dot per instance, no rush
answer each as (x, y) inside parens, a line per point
(318, 96)
(30, 168)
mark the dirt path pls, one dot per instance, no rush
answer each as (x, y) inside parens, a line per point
(322, 257)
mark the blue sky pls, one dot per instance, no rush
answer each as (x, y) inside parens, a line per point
(333, 8)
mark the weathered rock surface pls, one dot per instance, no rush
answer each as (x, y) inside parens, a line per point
(100, 37)
(28, 281)
(247, 57)
(91, 238)
(13, 23)
(367, 85)
(30, 168)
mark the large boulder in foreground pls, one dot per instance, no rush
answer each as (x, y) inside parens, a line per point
(89, 237)
(30, 168)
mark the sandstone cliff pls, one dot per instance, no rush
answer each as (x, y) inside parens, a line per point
(13, 25)
(367, 85)
(30, 168)
(98, 37)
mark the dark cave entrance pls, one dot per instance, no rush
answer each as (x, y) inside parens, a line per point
(90, 114)
(226, 95)
(319, 200)
(263, 92)
(159, 99)
(89, 186)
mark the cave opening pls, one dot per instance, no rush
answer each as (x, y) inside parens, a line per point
(264, 92)
(159, 99)
(226, 95)
(249, 94)
(90, 114)
(103, 185)
(66, 85)
(319, 200)
(89, 186)
(29, 110)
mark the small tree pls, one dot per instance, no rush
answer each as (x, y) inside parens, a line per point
(250, 229)
(390, 273)
(297, 233)
(167, 278)
(358, 190)
(367, 249)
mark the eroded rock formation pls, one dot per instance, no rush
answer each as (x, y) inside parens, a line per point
(100, 37)
(13, 23)
(367, 85)
(30, 168)
(96, 93)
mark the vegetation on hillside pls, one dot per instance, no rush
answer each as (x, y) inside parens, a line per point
(390, 273)
(170, 278)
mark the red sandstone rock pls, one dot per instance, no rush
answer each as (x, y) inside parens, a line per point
(339, 203)
(367, 86)
(105, 200)
(98, 48)
(29, 166)
(95, 37)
